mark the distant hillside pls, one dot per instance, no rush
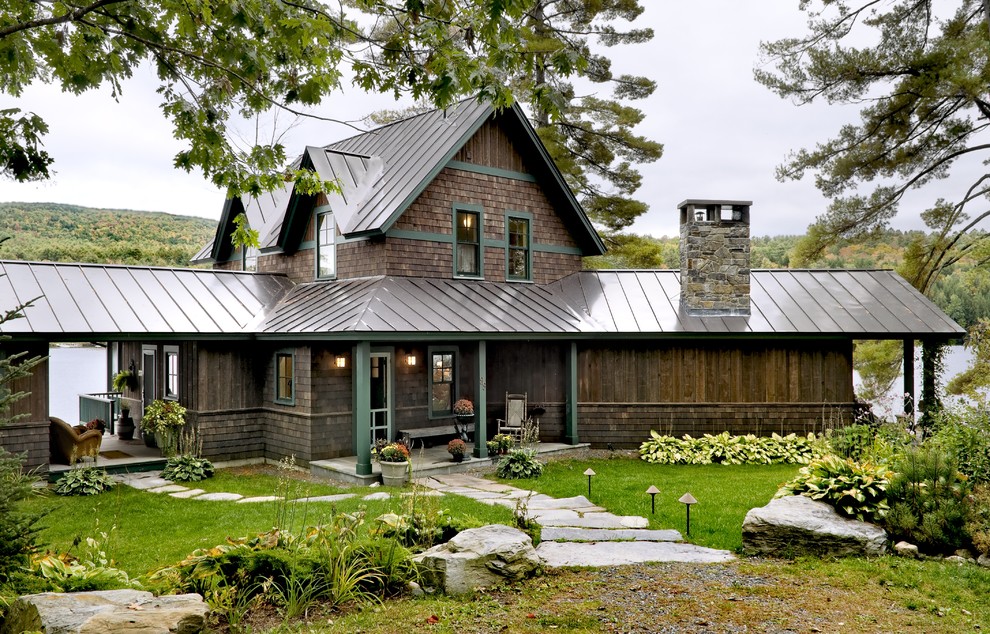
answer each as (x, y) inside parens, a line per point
(51, 232)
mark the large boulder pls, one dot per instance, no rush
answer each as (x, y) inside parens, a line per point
(798, 525)
(117, 611)
(479, 558)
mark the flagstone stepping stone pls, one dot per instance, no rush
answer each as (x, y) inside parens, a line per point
(169, 488)
(554, 515)
(260, 498)
(143, 482)
(596, 520)
(377, 496)
(327, 498)
(424, 494)
(190, 493)
(563, 554)
(547, 502)
(568, 534)
(474, 494)
(219, 497)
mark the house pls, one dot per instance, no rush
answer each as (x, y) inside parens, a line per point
(449, 265)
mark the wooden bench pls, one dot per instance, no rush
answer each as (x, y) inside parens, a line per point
(410, 436)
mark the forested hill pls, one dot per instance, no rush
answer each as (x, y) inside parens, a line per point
(51, 232)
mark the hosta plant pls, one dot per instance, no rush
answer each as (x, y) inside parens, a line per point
(84, 481)
(187, 468)
(856, 490)
(727, 449)
(519, 463)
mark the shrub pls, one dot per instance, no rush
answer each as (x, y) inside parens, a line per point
(726, 449)
(978, 523)
(965, 435)
(84, 481)
(18, 530)
(928, 501)
(92, 571)
(519, 463)
(392, 452)
(855, 490)
(187, 468)
(456, 447)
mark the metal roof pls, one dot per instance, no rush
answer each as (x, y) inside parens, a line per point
(91, 300)
(861, 304)
(360, 178)
(106, 300)
(423, 306)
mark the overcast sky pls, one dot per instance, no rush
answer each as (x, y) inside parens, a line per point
(723, 133)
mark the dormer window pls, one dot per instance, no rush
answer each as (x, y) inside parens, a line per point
(467, 243)
(249, 259)
(326, 248)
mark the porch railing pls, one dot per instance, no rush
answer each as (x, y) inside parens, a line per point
(102, 405)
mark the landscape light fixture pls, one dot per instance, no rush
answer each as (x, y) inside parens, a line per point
(340, 361)
(589, 473)
(687, 500)
(653, 498)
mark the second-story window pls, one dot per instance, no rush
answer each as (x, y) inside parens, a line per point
(249, 259)
(467, 246)
(518, 253)
(326, 249)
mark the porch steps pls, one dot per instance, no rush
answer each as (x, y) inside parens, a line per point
(56, 472)
(425, 463)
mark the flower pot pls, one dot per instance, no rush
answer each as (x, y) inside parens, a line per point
(458, 457)
(394, 474)
(149, 439)
(125, 427)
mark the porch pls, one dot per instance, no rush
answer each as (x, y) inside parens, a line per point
(425, 463)
(117, 456)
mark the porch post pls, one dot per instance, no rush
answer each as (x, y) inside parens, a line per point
(362, 407)
(909, 394)
(481, 403)
(571, 422)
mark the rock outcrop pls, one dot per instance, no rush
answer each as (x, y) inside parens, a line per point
(798, 525)
(478, 558)
(117, 611)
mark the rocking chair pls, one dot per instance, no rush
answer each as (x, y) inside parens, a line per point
(515, 415)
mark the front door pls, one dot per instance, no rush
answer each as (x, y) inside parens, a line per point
(381, 396)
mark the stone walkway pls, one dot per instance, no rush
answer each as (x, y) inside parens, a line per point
(574, 531)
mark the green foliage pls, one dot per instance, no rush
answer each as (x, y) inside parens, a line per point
(928, 502)
(857, 490)
(84, 481)
(92, 571)
(66, 233)
(974, 381)
(869, 443)
(18, 528)
(725, 449)
(963, 433)
(519, 463)
(918, 72)
(978, 523)
(879, 366)
(220, 63)
(392, 452)
(243, 235)
(187, 468)
(420, 529)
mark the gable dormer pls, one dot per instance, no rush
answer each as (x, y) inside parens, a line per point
(459, 193)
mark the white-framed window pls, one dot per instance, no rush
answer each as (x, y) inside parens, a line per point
(326, 248)
(249, 258)
(172, 373)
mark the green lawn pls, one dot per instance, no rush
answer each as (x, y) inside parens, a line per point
(154, 530)
(724, 492)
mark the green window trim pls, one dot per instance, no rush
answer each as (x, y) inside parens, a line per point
(285, 377)
(326, 244)
(442, 379)
(469, 241)
(518, 246)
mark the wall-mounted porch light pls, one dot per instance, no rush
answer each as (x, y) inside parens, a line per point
(340, 361)
(699, 215)
(410, 360)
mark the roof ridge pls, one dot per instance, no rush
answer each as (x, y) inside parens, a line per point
(401, 120)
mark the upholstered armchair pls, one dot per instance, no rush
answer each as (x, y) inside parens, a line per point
(67, 445)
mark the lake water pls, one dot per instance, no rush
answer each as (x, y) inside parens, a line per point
(71, 372)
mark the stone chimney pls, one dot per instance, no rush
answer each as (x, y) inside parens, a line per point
(715, 257)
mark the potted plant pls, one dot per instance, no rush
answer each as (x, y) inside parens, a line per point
(394, 460)
(162, 421)
(456, 448)
(503, 443)
(464, 410)
(125, 380)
